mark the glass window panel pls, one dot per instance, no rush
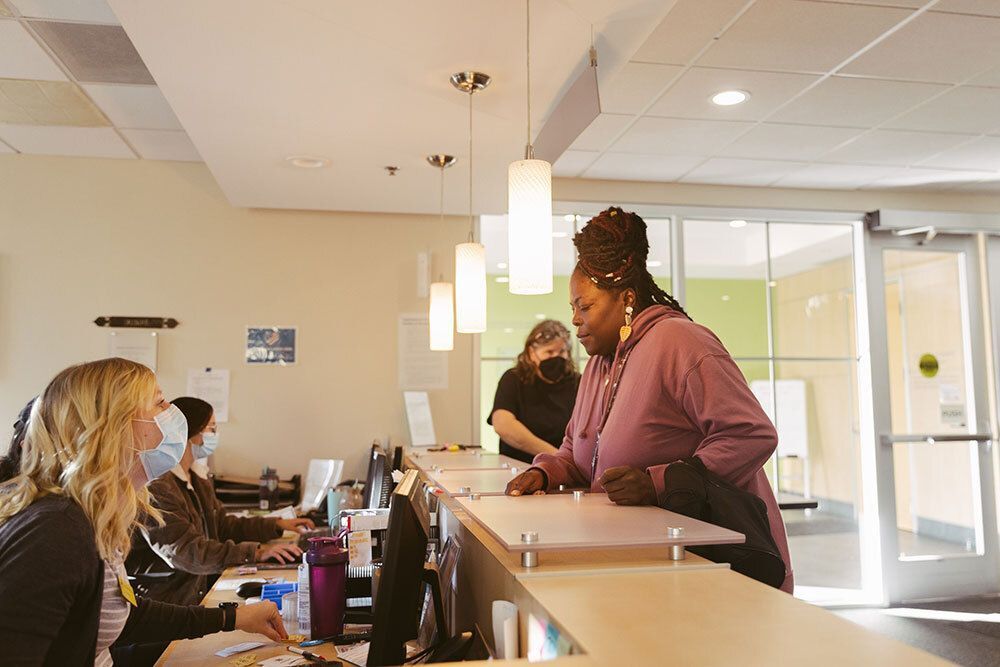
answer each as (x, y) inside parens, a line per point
(819, 454)
(812, 290)
(936, 490)
(725, 284)
(490, 372)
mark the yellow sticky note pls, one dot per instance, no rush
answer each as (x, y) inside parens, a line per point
(127, 591)
(244, 660)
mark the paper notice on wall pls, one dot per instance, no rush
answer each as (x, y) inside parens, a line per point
(949, 393)
(212, 386)
(419, 368)
(419, 418)
(135, 346)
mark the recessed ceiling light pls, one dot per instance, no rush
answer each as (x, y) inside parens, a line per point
(308, 161)
(502, 279)
(502, 265)
(736, 224)
(559, 235)
(653, 263)
(728, 98)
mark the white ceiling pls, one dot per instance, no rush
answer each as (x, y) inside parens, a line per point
(845, 94)
(122, 120)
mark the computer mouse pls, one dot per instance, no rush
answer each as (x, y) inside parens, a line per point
(250, 589)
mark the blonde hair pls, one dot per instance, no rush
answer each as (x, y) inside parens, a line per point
(79, 444)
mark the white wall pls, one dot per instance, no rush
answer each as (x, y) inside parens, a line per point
(80, 238)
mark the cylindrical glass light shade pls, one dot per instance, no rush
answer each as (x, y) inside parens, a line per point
(470, 287)
(529, 203)
(442, 318)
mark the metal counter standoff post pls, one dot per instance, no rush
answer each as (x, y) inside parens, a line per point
(676, 550)
(465, 489)
(578, 495)
(529, 558)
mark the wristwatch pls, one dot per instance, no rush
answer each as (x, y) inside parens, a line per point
(228, 615)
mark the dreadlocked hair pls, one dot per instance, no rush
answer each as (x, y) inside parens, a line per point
(612, 251)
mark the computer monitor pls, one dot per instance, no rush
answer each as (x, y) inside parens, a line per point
(378, 485)
(400, 593)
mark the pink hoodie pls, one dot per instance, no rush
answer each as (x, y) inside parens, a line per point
(681, 394)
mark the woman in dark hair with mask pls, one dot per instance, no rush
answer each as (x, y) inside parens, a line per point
(534, 400)
(658, 388)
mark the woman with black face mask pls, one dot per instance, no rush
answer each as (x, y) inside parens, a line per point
(535, 399)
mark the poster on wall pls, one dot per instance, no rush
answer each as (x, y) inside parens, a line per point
(419, 368)
(212, 386)
(135, 346)
(271, 345)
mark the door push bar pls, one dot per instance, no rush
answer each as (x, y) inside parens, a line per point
(933, 439)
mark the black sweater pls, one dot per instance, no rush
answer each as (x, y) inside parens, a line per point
(51, 583)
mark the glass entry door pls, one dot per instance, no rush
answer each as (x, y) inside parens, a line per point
(937, 512)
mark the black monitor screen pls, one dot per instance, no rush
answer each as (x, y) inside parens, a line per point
(378, 485)
(399, 597)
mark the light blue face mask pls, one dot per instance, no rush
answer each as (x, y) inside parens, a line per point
(161, 459)
(209, 441)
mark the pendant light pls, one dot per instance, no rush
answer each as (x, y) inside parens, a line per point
(442, 308)
(470, 257)
(529, 215)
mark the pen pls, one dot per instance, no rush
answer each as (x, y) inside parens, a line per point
(306, 654)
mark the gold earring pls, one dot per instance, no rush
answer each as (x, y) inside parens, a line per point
(626, 330)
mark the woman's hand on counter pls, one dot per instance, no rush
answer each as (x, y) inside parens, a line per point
(528, 482)
(628, 486)
(262, 618)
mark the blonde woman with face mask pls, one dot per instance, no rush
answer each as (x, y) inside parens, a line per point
(96, 436)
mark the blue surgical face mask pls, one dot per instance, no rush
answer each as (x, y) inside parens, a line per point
(162, 458)
(209, 441)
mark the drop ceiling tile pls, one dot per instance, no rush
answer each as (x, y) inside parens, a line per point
(22, 58)
(979, 7)
(636, 86)
(134, 107)
(687, 28)
(732, 171)
(833, 176)
(966, 109)
(162, 145)
(929, 179)
(5, 149)
(981, 153)
(631, 167)
(75, 141)
(773, 141)
(853, 102)
(87, 11)
(990, 77)
(24, 102)
(601, 132)
(95, 53)
(674, 136)
(689, 97)
(946, 48)
(795, 36)
(571, 163)
(894, 147)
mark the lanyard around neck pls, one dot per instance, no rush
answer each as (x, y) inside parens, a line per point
(616, 378)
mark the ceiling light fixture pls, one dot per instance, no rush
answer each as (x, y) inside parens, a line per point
(529, 203)
(470, 257)
(307, 161)
(728, 98)
(736, 224)
(441, 313)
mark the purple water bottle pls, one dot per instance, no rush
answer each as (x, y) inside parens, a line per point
(327, 586)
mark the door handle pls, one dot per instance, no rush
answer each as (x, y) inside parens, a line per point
(931, 439)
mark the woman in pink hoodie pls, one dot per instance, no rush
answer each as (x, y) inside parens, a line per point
(658, 387)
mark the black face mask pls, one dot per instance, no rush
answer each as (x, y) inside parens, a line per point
(553, 369)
